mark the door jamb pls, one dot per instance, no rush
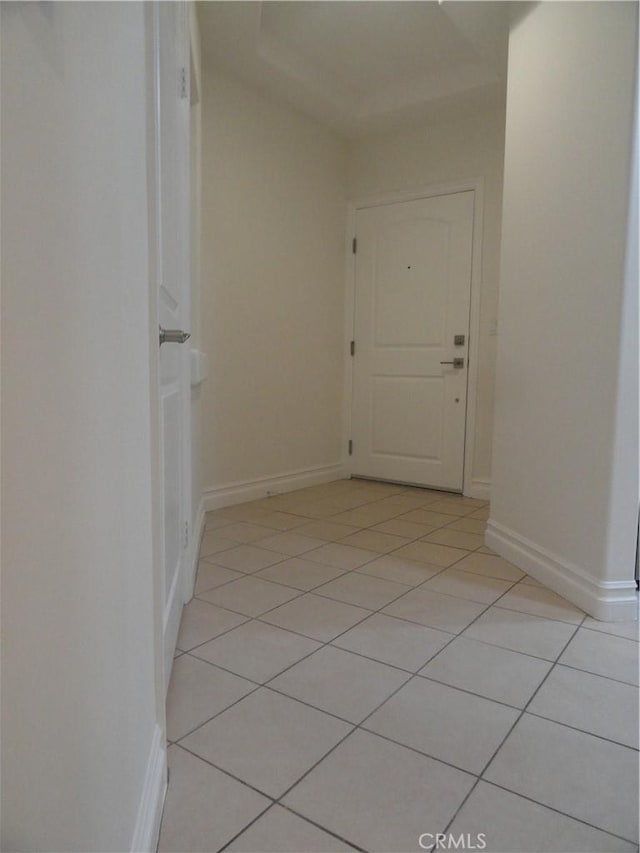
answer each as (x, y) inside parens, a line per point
(154, 180)
(154, 411)
(378, 200)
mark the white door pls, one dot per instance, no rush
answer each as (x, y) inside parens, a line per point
(412, 298)
(173, 247)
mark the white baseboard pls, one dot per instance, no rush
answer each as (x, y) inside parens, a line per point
(171, 622)
(191, 561)
(609, 601)
(480, 489)
(147, 829)
(251, 490)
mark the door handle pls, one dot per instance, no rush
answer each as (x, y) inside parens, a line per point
(173, 336)
(457, 362)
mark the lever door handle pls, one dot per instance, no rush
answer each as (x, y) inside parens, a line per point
(457, 362)
(173, 336)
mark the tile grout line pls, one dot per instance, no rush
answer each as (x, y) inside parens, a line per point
(558, 811)
(538, 616)
(323, 828)
(245, 828)
(275, 800)
(411, 674)
(421, 585)
(598, 674)
(301, 817)
(210, 558)
(303, 555)
(329, 642)
(402, 745)
(255, 575)
(323, 644)
(333, 515)
(610, 634)
(221, 634)
(512, 727)
(355, 727)
(360, 726)
(249, 619)
(228, 773)
(377, 612)
(582, 731)
(178, 741)
(417, 674)
(376, 556)
(455, 518)
(427, 502)
(477, 776)
(466, 690)
(388, 739)
(459, 634)
(264, 684)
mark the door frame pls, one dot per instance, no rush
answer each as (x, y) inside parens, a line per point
(153, 181)
(196, 510)
(476, 185)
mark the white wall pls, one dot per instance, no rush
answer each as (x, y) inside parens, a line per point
(78, 665)
(274, 207)
(407, 160)
(559, 380)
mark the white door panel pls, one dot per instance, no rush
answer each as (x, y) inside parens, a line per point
(412, 295)
(173, 242)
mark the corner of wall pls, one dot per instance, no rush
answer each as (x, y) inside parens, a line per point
(237, 492)
(609, 601)
(625, 476)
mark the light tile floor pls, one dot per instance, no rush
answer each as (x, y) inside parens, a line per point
(357, 670)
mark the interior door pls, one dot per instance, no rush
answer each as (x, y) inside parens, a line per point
(412, 300)
(172, 65)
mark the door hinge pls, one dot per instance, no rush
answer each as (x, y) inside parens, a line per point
(352, 348)
(354, 245)
(350, 447)
(185, 540)
(183, 82)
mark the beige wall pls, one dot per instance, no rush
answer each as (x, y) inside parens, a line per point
(565, 490)
(79, 712)
(469, 148)
(272, 306)
(275, 187)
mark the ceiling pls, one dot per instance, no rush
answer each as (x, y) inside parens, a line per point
(364, 66)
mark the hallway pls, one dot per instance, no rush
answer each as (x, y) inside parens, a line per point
(358, 671)
(355, 670)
